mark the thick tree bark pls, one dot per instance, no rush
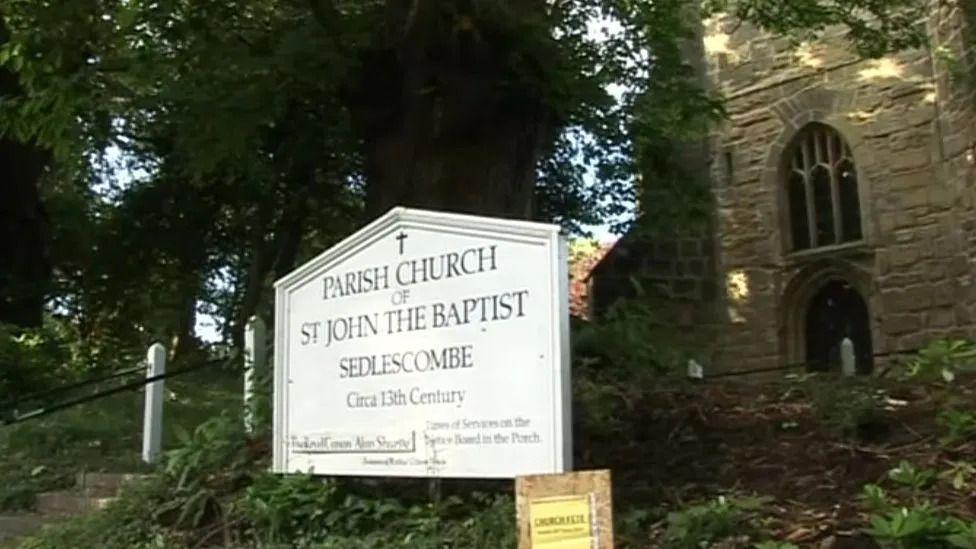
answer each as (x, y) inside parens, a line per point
(442, 125)
(25, 266)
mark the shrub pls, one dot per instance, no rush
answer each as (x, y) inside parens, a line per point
(628, 339)
(915, 523)
(943, 360)
(705, 524)
(213, 489)
(130, 522)
(912, 477)
(959, 427)
(917, 527)
(32, 360)
(854, 409)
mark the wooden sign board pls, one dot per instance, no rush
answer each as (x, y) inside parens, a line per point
(568, 511)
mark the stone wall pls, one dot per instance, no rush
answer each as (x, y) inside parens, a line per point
(908, 127)
(678, 272)
(955, 82)
(738, 289)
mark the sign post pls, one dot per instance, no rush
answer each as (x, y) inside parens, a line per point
(426, 345)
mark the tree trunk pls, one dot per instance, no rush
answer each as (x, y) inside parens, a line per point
(25, 267)
(444, 125)
(275, 256)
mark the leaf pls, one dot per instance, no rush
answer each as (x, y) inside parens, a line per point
(948, 375)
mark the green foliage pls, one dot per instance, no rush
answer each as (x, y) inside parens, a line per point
(631, 525)
(915, 528)
(616, 354)
(21, 481)
(913, 522)
(852, 408)
(216, 446)
(303, 511)
(290, 508)
(216, 442)
(35, 359)
(874, 28)
(959, 426)
(629, 338)
(963, 534)
(261, 406)
(128, 523)
(942, 360)
(581, 249)
(202, 149)
(959, 475)
(213, 488)
(909, 476)
(44, 454)
(876, 498)
(705, 524)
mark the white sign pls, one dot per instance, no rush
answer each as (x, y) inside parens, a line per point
(426, 344)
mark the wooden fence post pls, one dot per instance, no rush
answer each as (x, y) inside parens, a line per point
(152, 430)
(255, 362)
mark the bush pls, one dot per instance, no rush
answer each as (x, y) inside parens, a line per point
(615, 359)
(628, 339)
(913, 522)
(130, 522)
(711, 522)
(959, 427)
(44, 454)
(35, 359)
(852, 408)
(943, 360)
(214, 489)
(914, 527)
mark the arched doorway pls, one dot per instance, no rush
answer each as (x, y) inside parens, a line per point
(837, 311)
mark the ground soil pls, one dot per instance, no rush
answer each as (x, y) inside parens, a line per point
(688, 443)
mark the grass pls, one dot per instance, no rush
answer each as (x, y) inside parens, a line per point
(104, 435)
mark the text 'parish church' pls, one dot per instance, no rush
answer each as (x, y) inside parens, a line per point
(843, 203)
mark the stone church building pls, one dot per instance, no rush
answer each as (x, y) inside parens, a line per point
(843, 203)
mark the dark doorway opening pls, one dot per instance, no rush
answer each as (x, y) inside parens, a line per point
(835, 312)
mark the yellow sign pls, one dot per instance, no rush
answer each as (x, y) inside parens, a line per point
(562, 522)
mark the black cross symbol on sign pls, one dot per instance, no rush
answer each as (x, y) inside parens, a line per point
(400, 238)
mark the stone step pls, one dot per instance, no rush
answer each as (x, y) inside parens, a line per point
(69, 502)
(109, 482)
(14, 527)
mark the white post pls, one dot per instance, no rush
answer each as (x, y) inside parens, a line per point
(152, 430)
(848, 360)
(255, 361)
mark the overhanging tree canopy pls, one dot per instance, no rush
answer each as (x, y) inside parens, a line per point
(261, 129)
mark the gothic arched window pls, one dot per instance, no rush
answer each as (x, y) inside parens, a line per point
(821, 188)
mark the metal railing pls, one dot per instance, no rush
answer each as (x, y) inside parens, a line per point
(48, 393)
(254, 355)
(129, 386)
